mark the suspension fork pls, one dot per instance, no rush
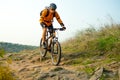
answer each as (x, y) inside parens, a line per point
(52, 36)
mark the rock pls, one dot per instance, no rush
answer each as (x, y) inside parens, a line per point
(23, 69)
(57, 69)
(97, 74)
(59, 73)
(43, 76)
(82, 75)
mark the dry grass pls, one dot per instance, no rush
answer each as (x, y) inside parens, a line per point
(93, 48)
(102, 45)
(5, 73)
(104, 40)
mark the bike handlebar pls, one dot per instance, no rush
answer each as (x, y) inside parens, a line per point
(61, 29)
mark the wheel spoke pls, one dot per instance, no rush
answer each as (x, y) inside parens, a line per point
(56, 53)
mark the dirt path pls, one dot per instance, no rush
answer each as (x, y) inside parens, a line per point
(28, 66)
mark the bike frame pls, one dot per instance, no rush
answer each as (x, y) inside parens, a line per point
(54, 44)
(53, 34)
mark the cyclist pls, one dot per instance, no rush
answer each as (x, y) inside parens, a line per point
(46, 20)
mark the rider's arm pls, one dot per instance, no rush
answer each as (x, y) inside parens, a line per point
(58, 19)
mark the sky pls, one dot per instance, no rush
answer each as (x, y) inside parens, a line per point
(19, 19)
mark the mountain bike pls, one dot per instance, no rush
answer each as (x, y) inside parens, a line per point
(55, 46)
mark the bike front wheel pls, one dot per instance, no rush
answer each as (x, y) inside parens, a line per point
(43, 51)
(56, 53)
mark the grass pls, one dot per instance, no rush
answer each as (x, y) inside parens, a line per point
(104, 41)
(5, 73)
(93, 48)
(2, 52)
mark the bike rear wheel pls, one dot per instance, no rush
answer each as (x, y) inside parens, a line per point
(43, 51)
(56, 53)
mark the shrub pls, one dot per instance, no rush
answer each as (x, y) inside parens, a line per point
(2, 52)
(5, 73)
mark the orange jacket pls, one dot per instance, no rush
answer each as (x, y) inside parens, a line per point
(49, 19)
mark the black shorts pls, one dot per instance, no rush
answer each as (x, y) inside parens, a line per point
(50, 28)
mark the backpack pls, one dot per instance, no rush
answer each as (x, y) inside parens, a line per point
(47, 13)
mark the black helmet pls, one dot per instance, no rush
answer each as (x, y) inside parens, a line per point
(53, 6)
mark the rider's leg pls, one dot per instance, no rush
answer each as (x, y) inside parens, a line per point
(44, 30)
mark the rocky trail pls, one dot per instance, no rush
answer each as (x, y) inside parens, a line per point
(27, 66)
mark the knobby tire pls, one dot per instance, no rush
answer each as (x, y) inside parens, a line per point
(56, 53)
(43, 51)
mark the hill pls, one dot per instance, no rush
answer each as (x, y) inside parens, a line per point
(90, 55)
(10, 47)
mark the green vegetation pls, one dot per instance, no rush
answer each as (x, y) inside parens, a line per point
(93, 48)
(2, 52)
(5, 73)
(9, 47)
(103, 41)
